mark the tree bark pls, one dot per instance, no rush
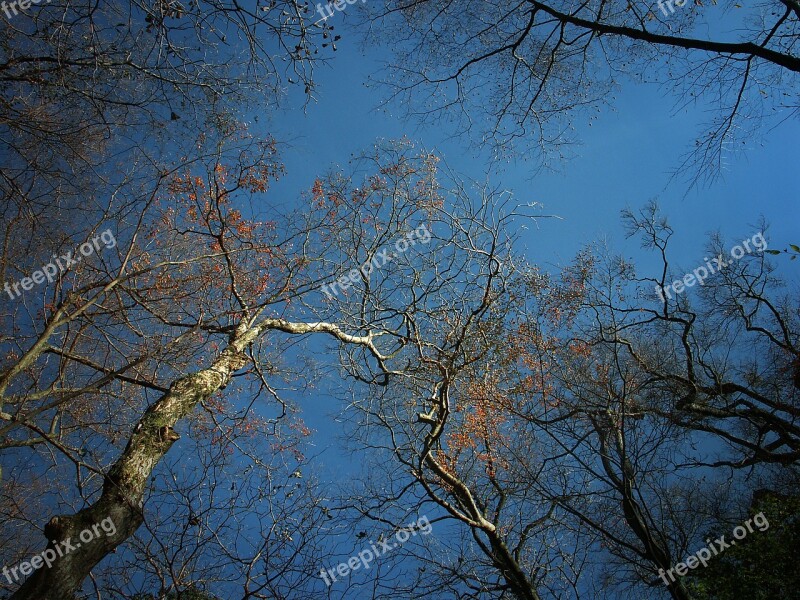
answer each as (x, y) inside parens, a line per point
(124, 485)
(787, 61)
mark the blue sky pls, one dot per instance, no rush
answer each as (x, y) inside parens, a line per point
(626, 159)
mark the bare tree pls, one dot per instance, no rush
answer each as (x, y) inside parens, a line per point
(669, 417)
(584, 436)
(419, 426)
(522, 73)
(90, 89)
(196, 298)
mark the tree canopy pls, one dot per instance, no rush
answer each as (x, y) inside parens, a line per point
(516, 429)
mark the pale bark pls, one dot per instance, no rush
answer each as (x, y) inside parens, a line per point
(125, 483)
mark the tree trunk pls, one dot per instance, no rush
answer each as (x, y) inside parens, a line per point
(123, 488)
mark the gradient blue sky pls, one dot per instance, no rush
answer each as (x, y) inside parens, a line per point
(626, 159)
